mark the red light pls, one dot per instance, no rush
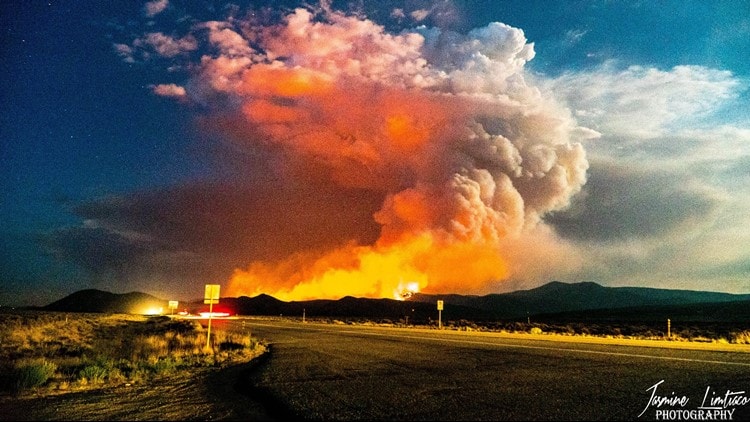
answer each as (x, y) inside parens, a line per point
(214, 314)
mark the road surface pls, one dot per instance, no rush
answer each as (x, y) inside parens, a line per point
(350, 372)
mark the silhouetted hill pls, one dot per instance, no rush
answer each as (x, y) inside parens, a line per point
(92, 300)
(554, 300)
(557, 297)
(346, 307)
(709, 312)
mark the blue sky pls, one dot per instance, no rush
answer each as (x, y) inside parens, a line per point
(142, 149)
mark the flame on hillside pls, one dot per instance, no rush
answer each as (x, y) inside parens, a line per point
(406, 290)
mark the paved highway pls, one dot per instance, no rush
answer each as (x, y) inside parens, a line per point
(346, 372)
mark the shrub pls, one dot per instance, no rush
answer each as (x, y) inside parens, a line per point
(93, 374)
(116, 375)
(742, 337)
(165, 366)
(149, 348)
(32, 373)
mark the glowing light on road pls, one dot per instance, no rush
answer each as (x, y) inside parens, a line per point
(214, 314)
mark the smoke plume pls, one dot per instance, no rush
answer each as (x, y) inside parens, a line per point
(466, 152)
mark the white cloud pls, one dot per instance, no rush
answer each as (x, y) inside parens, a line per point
(229, 42)
(420, 15)
(574, 36)
(169, 90)
(125, 51)
(166, 45)
(644, 102)
(674, 212)
(155, 7)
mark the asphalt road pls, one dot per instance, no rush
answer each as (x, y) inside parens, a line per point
(344, 372)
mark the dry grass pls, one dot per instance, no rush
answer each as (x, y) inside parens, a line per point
(64, 351)
(742, 337)
(690, 332)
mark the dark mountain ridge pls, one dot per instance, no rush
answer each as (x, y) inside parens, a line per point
(93, 300)
(556, 297)
(569, 300)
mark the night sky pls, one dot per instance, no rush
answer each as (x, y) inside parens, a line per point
(317, 150)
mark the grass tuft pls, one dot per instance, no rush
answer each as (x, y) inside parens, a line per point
(33, 373)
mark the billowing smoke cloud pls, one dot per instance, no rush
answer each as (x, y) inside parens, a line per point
(467, 155)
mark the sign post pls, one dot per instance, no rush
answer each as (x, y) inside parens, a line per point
(669, 329)
(211, 297)
(440, 314)
(173, 305)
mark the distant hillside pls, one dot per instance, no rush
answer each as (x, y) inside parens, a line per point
(563, 301)
(92, 300)
(557, 297)
(346, 307)
(735, 312)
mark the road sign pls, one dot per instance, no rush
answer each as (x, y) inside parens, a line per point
(440, 314)
(173, 305)
(211, 297)
(212, 294)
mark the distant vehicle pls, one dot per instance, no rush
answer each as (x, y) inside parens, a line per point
(214, 314)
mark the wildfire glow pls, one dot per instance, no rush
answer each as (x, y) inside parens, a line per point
(374, 271)
(352, 270)
(405, 290)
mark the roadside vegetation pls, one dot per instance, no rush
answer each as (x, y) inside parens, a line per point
(51, 352)
(644, 330)
(59, 352)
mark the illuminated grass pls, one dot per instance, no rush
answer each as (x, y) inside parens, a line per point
(60, 351)
(694, 338)
(31, 373)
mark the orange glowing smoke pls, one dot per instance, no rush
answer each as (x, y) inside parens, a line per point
(377, 138)
(465, 153)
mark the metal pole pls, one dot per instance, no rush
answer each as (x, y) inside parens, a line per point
(210, 313)
(440, 320)
(669, 328)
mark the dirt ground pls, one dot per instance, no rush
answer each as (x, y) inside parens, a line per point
(203, 394)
